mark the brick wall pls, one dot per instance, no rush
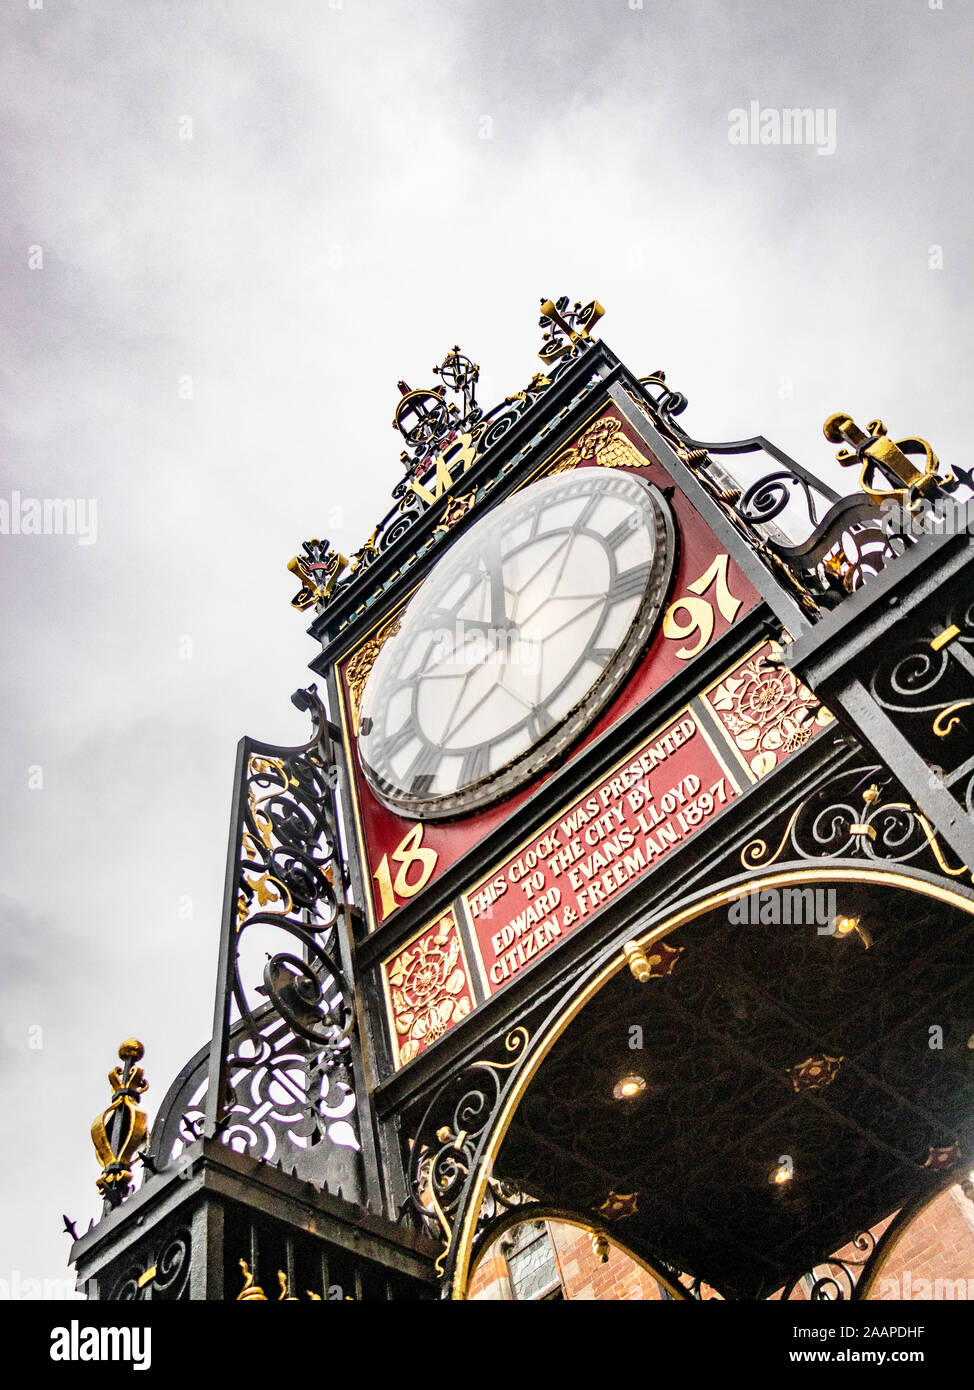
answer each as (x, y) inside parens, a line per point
(584, 1278)
(933, 1258)
(938, 1246)
(490, 1277)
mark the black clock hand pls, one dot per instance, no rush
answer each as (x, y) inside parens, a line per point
(481, 624)
(494, 565)
(498, 598)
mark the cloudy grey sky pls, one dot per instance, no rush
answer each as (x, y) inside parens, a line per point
(208, 343)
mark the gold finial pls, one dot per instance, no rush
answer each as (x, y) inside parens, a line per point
(638, 961)
(873, 450)
(120, 1131)
(250, 1290)
(284, 1296)
(600, 1247)
(564, 321)
(652, 964)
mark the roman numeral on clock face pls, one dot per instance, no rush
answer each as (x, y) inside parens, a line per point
(629, 583)
(423, 769)
(583, 517)
(475, 765)
(539, 722)
(393, 743)
(624, 530)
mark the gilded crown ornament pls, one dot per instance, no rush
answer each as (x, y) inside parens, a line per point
(121, 1130)
(427, 421)
(318, 570)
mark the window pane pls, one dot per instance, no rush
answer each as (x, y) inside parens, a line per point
(533, 1268)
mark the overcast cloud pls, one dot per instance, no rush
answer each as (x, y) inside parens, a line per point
(366, 183)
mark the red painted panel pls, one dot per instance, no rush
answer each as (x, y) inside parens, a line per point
(665, 789)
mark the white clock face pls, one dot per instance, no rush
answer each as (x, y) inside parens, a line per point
(517, 639)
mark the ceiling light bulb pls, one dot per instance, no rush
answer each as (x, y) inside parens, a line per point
(628, 1086)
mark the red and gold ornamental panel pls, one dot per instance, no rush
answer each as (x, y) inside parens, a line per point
(763, 712)
(427, 987)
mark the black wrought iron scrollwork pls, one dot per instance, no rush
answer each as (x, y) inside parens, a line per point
(844, 541)
(849, 1275)
(819, 543)
(861, 812)
(764, 499)
(838, 1277)
(445, 1144)
(160, 1274)
(289, 880)
(929, 675)
(278, 1081)
(469, 437)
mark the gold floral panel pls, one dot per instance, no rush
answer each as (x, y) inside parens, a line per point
(427, 988)
(763, 710)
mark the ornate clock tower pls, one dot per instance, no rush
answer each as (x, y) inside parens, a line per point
(621, 881)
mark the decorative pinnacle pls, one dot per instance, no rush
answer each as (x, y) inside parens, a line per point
(891, 460)
(120, 1131)
(566, 325)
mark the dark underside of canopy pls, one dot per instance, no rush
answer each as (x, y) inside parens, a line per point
(743, 1005)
